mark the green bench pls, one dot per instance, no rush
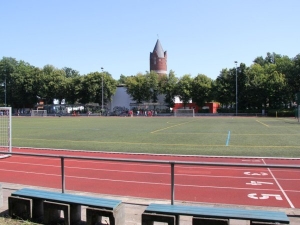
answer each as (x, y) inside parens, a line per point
(209, 215)
(43, 205)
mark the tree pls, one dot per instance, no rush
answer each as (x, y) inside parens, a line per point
(184, 89)
(224, 88)
(70, 73)
(25, 89)
(152, 80)
(55, 81)
(270, 58)
(137, 88)
(242, 94)
(91, 91)
(167, 86)
(256, 81)
(7, 67)
(73, 90)
(275, 86)
(122, 79)
(201, 89)
(293, 77)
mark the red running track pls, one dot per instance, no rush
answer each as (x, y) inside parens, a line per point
(225, 185)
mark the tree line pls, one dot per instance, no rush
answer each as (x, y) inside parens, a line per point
(271, 82)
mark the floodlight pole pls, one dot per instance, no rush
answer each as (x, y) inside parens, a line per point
(102, 93)
(236, 90)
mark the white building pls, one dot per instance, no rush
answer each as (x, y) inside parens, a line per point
(122, 99)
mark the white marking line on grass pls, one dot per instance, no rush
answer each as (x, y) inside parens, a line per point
(169, 127)
(262, 123)
(228, 138)
(281, 189)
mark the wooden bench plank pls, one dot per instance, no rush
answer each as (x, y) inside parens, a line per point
(68, 198)
(222, 213)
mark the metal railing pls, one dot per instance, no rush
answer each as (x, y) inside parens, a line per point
(171, 163)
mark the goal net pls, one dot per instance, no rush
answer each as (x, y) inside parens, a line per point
(184, 112)
(5, 131)
(38, 112)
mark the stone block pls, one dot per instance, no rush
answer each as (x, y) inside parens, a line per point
(262, 223)
(150, 218)
(209, 221)
(115, 217)
(52, 213)
(20, 208)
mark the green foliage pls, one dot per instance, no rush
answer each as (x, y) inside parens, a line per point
(167, 85)
(224, 89)
(122, 80)
(201, 89)
(270, 83)
(137, 88)
(143, 87)
(184, 89)
(91, 88)
(281, 112)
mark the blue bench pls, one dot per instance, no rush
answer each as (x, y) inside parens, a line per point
(210, 215)
(36, 204)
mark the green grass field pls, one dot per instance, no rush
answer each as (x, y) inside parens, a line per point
(224, 136)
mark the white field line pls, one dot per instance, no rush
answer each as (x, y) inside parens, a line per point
(281, 189)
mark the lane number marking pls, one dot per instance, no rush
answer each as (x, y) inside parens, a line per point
(256, 174)
(258, 183)
(264, 196)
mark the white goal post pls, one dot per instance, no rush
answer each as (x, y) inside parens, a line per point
(38, 112)
(184, 112)
(5, 131)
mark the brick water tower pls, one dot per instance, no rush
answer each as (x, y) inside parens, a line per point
(158, 59)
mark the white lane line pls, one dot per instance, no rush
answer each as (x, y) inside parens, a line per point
(186, 168)
(281, 189)
(140, 182)
(178, 174)
(137, 172)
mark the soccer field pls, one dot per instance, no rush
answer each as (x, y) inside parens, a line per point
(221, 136)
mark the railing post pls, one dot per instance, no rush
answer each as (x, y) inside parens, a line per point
(62, 174)
(172, 183)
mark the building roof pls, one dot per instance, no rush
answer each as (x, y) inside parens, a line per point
(158, 49)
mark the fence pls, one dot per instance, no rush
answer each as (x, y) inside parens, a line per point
(171, 163)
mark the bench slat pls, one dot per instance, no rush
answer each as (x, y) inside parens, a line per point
(68, 198)
(222, 213)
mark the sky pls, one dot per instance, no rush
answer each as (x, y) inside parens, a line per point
(200, 36)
